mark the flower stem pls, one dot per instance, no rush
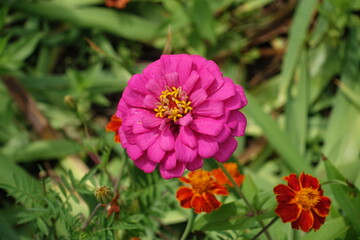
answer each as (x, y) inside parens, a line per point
(86, 223)
(242, 195)
(188, 226)
(265, 228)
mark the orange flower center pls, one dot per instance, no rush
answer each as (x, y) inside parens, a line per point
(307, 197)
(173, 104)
(200, 181)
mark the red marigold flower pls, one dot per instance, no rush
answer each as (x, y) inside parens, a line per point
(301, 202)
(113, 126)
(232, 168)
(116, 3)
(179, 111)
(200, 196)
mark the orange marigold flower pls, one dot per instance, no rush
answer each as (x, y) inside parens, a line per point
(116, 3)
(200, 196)
(113, 126)
(301, 202)
(232, 168)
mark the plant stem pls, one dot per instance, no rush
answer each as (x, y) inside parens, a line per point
(188, 225)
(242, 195)
(266, 227)
(86, 223)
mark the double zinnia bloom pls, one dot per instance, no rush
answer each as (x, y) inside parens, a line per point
(179, 111)
(302, 202)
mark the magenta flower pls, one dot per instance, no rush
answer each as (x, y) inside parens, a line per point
(177, 112)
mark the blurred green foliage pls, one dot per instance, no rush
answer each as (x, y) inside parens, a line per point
(298, 60)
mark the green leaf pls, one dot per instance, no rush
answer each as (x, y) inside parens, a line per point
(119, 23)
(298, 31)
(332, 229)
(229, 216)
(42, 226)
(204, 20)
(276, 137)
(46, 150)
(347, 198)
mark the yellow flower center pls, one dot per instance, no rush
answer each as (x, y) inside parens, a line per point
(307, 197)
(173, 104)
(200, 181)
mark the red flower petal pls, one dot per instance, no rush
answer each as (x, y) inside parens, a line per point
(322, 207)
(293, 182)
(288, 212)
(318, 221)
(308, 181)
(184, 195)
(304, 222)
(218, 189)
(199, 204)
(211, 201)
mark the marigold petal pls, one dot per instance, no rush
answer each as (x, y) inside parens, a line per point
(293, 182)
(184, 195)
(308, 181)
(288, 212)
(318, 221)
(200, 205)
(304, 222)
(284, 193)
(212, 201)
(218, 189)
(323, 206)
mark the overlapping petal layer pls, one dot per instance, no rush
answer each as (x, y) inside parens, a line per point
(177, 112)
(302, 202)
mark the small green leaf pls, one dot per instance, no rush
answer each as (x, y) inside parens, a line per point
(42, 226)
(347, 198)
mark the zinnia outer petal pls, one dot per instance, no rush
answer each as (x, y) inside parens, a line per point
(174, 104)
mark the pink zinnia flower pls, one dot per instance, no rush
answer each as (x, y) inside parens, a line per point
(177, 112)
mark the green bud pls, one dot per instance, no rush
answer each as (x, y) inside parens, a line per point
(104, 194)
(70, 101)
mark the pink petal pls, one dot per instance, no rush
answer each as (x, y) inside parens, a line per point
(155, 153)
(184, 121)
(133, 98)
(169, 161)
(167, 141)
(191, 81)
(210, 109)
(240, 90)
(150, 102)
(184, 153)
(175, 172)
(237, 121)
(224, 135)
(207, 78)
(138, 82)
(172, 79)
(184, 67)
(155, 87)
(138, 128)
(225, 91)
(187, 137)
(226, 149)
(207, 146)
(151, 121)
(207, 126)
(198, 97)
(196, 164)
(134, 152)
(145, 164)
(145, 140)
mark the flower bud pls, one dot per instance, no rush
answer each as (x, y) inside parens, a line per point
(104, 194)
(70, 101)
